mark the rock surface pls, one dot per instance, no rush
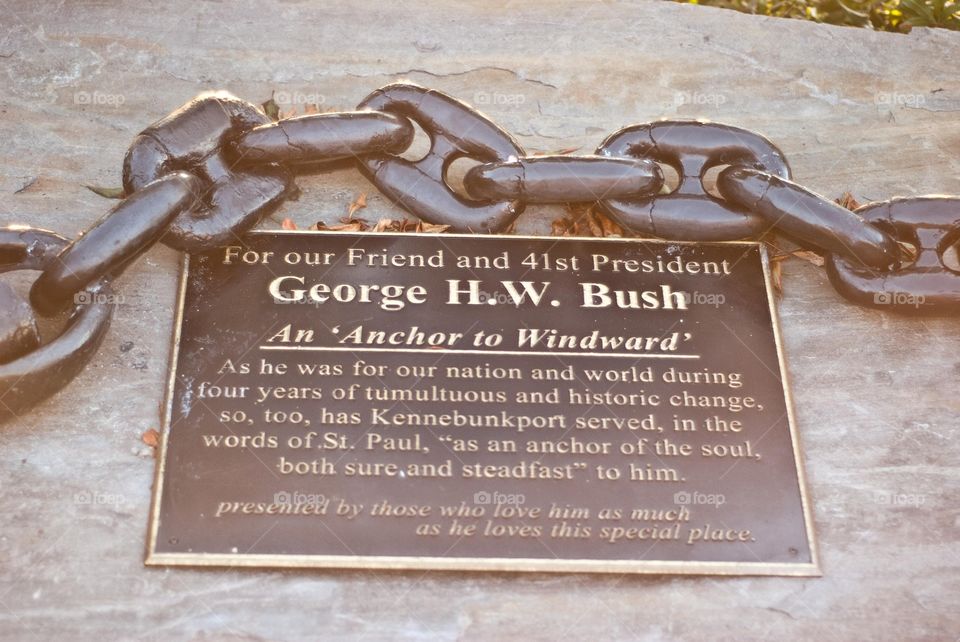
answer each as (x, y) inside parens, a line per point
(870, 113)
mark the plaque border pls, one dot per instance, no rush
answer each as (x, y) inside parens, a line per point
(497, 564)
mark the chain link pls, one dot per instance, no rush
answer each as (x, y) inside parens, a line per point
(192, 139)
(30, 377)
(455, 131)
(107, 248)
(323, 138)
(564, 179)
(19, 333)
(691, 148)
(808, 218)
(208, 172)
(920, 284)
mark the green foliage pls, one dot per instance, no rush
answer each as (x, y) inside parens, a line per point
(931, 13)
(884, 15)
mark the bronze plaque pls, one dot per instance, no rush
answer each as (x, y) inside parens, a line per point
(480, 403)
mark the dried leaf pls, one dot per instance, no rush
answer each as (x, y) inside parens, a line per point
(151, 438)
(106, 192)
(610, 227)
(558, 227)
(288, 224)
(848, 201)
(810, 257)
(432, 228)
(311, 108)
(586, 220)
(358, 204)
(595, 228)
(908, 252)
(271, 108)
(776, 272)
(355, 226)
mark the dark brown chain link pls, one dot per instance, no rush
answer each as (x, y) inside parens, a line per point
(193, 139)
(32, 376)
(919, 284)
(563, 179)
(456, 131)
(214, 168)
(808, 218)
(691, 148)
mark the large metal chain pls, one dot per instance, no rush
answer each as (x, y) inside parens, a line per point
(214, 168)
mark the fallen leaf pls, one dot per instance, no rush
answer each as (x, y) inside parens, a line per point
(776, 274)
(432, 228)
(355, 226)
(271, 108)
(311, 108)
(848, 201)
(288, 224)
(610, 227)
(151, 438)
(586, 220)
(558, 227)
(358, 204)
(808, 256)
(106, 192)
(596, 229)
(908, 252)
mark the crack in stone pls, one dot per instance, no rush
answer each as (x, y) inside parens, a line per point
(451, 74)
